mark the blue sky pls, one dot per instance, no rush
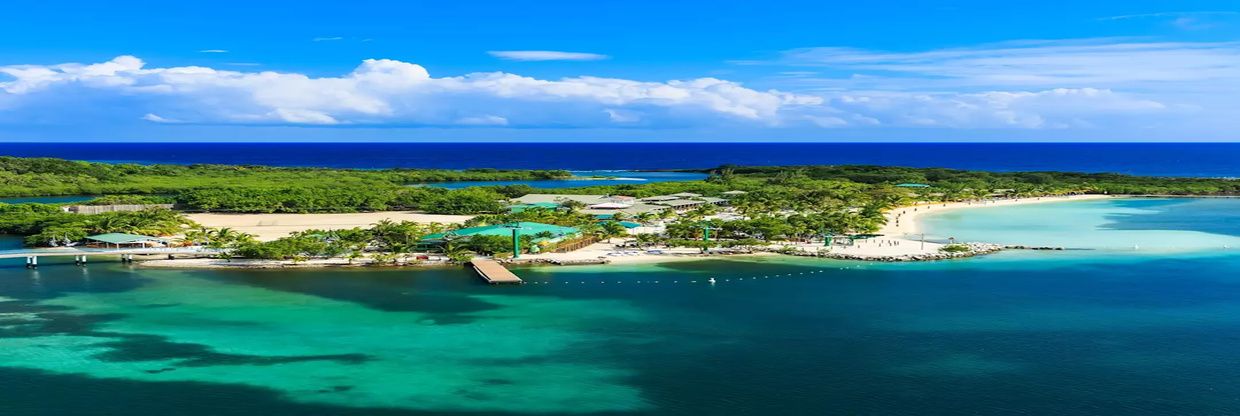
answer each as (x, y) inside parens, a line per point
(610, 70)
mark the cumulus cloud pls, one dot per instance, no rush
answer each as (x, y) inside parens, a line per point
(546, 56)
(383, 92)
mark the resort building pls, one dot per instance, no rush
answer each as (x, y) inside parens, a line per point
(522, 207)
(120, 240)
(680, 202)
(99, 209)
(606, 206)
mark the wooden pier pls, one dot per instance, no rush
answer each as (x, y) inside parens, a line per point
(494, 273)
(80, 254)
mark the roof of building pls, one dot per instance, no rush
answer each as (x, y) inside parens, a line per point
(711, 199)
(523, 207)
(734, 192)
(526, 228)
(611, 205)
(122, 238)
(913, 185)
(558, 198)
(638, 208)
(681, 202)
(686, 195)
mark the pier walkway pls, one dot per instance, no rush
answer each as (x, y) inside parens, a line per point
(58, 252)
(79, 254)
(494, 273)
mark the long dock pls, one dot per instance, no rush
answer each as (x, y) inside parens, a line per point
(80, 254)
(494, 273)
(64, 252)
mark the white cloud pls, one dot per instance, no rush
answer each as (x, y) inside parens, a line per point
(1050, 109)
(327, 38)
(546, 56)
(483, 121)
(1175, 15)
(382, 92)
(1115, 87)
(155, 118)
(388, 92)
(1198, 20)
(1091, 63)
(213, 51)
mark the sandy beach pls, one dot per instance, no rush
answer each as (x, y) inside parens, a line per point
(902, 222)
(267, 227)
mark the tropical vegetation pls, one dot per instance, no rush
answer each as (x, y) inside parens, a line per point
(48, 225)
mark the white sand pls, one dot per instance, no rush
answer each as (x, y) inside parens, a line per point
(267, 227)
(901, 233)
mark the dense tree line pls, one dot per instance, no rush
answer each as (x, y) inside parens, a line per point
(52, 177)
(48, 225)
(968, 183)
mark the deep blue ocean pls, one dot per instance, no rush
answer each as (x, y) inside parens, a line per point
(1161, 159)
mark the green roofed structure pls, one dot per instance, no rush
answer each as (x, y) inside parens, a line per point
(120, 240)
(522, 207)
(532, 229)
(913, 185)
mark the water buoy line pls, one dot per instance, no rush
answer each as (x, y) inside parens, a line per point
(710, 281)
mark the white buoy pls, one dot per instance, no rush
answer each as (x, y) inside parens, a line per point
(711, 281)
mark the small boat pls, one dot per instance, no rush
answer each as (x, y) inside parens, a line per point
(711, 281)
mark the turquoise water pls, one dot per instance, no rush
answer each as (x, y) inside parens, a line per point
(617, 178)
(1073, 332)
(1136, 225)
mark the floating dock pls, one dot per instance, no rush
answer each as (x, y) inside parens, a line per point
(494, 273)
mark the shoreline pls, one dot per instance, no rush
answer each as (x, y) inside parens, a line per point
(337, 262)
(897, 243)
(903, 221)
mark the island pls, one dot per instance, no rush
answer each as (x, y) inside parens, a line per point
(260, 216)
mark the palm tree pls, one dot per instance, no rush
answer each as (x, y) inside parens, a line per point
(354, 255)
(455, 251)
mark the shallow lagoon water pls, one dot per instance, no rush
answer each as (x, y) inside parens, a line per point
(1162, 224)
(1072, 332)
